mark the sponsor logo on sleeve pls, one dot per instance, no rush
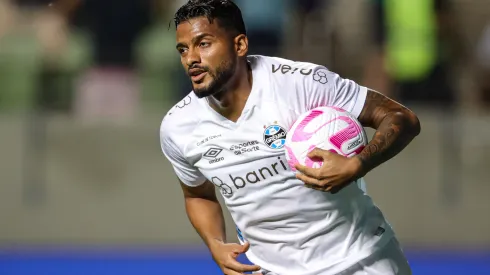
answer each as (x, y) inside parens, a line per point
(286, 69)
(184, 102)
(321, 76)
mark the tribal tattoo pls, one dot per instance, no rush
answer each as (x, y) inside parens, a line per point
(396, 126)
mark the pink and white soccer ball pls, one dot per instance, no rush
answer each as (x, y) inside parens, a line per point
(327, 128)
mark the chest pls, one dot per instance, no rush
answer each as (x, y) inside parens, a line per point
(259, 135)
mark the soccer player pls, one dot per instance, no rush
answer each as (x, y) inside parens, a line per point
(229, 133)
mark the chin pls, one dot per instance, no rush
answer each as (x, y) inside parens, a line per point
(202, 92)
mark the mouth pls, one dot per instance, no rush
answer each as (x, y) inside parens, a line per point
(197, 74)
(196, 77)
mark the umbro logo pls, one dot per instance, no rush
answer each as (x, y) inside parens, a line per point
(212, 154)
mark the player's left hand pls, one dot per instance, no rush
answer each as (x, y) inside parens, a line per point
(336, 172)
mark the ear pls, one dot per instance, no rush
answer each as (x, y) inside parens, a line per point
(241, 45)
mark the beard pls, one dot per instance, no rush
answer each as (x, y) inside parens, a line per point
(220, 77)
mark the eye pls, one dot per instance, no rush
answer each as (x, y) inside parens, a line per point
(204, 44)
(182, 50)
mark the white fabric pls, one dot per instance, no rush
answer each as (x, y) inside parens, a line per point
(390, 260)
(291, 229)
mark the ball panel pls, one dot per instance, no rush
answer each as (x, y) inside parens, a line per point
(327, 128)
(299, 133)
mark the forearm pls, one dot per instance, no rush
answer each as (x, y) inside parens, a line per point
(396, 126)
(207, 218)
(395, 131)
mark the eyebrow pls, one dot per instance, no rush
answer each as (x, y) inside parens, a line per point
(195, 39)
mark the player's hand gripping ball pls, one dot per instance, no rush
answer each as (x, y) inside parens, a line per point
(320, 146)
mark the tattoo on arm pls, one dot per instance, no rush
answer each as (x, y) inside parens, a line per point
(395, 125)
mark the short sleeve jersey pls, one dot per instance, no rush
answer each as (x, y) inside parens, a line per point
(291, 229)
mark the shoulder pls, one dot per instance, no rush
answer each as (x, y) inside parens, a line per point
(285, 71)
(181, 119)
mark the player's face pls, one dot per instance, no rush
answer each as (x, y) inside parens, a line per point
(207, 54)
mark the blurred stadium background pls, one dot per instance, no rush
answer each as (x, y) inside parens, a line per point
(85, 189)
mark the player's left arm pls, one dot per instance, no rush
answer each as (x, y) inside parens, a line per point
(396, 126)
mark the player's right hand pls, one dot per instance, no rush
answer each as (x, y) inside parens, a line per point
(225, 254)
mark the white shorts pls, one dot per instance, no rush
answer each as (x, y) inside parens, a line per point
(390, 260)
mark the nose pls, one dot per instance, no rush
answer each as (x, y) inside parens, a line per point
(193, 57)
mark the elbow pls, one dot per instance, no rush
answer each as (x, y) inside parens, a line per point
(412, 122)
(415, 124)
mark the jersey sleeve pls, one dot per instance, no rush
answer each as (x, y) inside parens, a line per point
(325, 88)
(187, 173)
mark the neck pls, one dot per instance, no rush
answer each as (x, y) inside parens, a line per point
(230, 102)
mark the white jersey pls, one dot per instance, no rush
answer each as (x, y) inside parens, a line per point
(291, 229)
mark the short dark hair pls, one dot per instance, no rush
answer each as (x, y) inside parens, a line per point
(227, 13)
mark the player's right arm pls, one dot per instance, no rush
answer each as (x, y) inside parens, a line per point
(205, 214)
(201, 204)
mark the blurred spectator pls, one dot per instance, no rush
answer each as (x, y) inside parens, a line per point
(7, 17)
(114, 26)
(306, 30)
(163, 80)
(414, 47)
(33, 3)
(111, 89)
(265, 22)
(34, 40)
(483, 59)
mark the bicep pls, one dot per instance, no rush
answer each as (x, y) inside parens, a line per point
(377, 106)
